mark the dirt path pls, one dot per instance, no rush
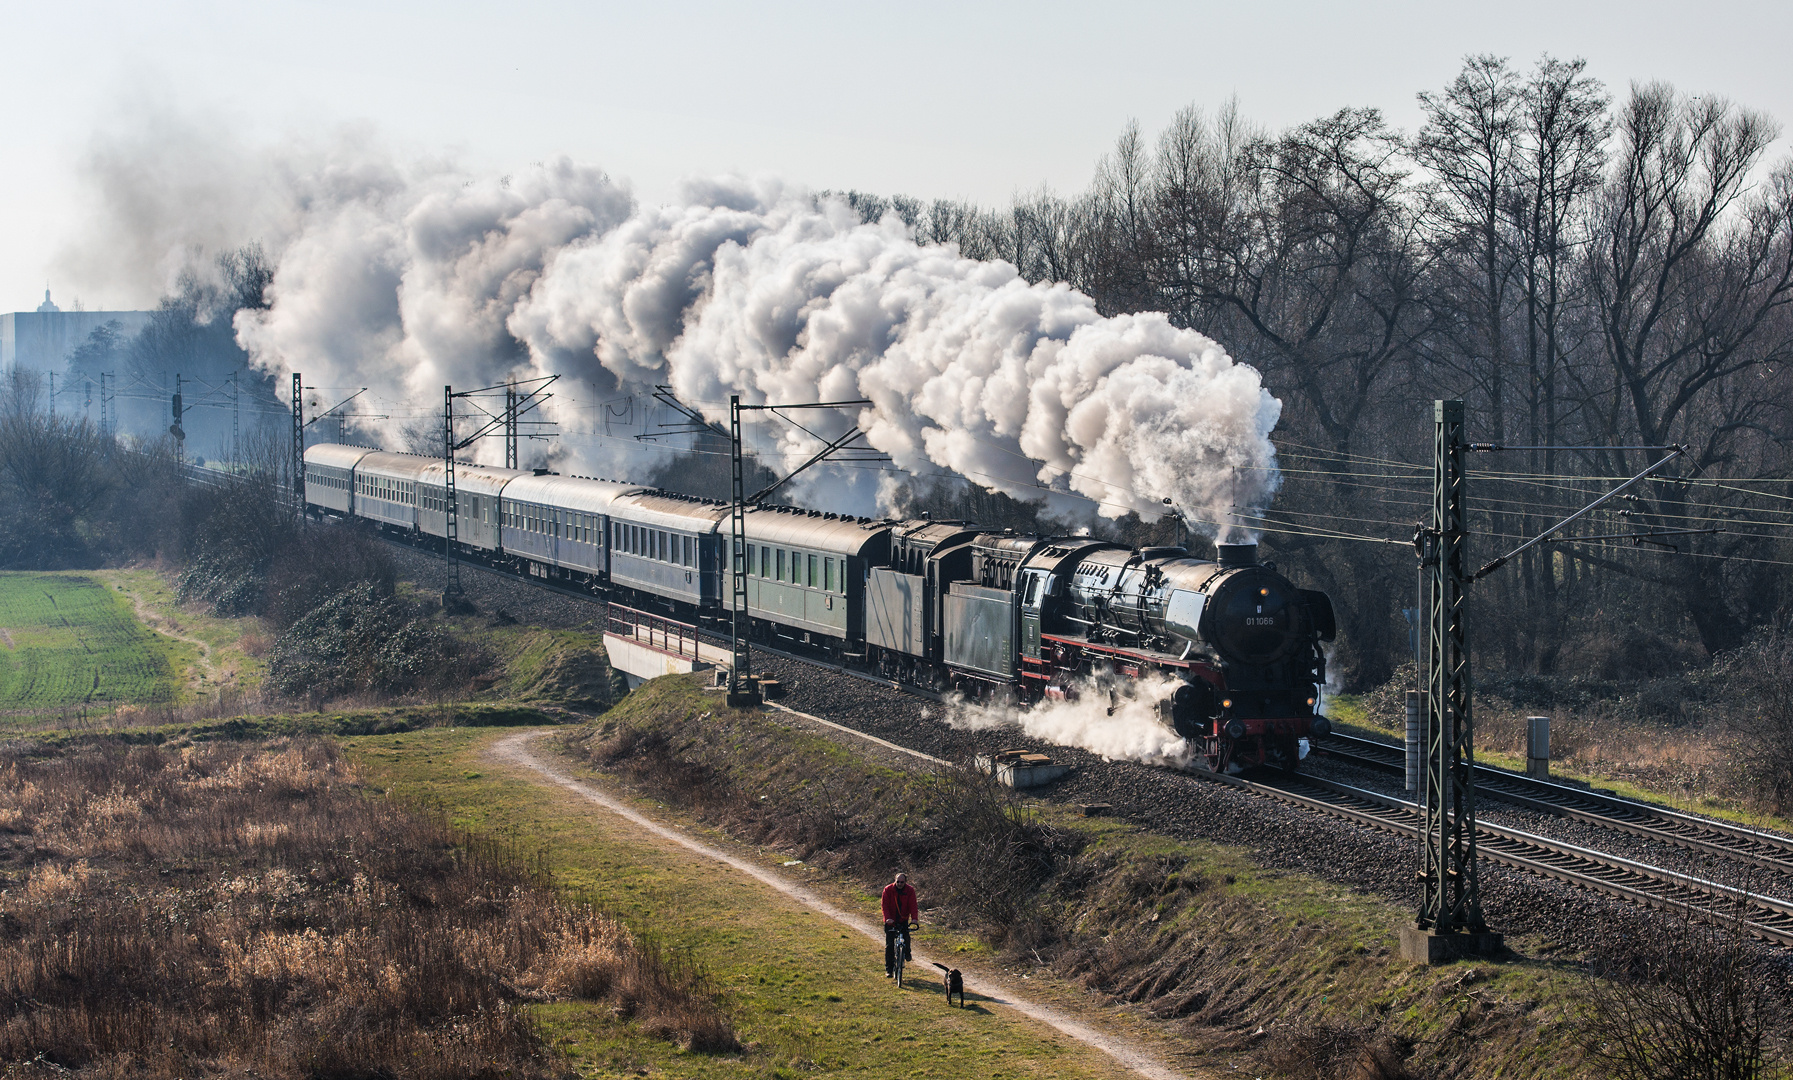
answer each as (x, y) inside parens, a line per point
(515, 750)
(159, 624)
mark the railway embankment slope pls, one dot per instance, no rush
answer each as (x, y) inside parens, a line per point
(1233, 963)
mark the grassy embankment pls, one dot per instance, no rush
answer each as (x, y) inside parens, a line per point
(1197, 946)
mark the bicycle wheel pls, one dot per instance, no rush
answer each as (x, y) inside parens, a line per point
(902, 946)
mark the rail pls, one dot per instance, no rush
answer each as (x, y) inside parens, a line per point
(1721, 839)
(1766, 917)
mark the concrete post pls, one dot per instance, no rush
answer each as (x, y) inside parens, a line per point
(1413, 741)
(1537, 747)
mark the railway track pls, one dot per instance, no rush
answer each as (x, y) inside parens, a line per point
(1720, 839)
(1766, 917)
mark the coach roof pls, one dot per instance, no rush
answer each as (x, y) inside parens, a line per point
(812, 529)
(567, 492)
(471, 479)
(335, 455)
(403, 466)
(659, 510)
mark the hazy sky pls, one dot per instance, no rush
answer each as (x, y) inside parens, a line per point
(976, 100)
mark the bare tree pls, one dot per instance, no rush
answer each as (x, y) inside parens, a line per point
(1690, 278)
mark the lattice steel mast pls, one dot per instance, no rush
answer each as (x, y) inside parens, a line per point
(1450, 886)
(298, 447)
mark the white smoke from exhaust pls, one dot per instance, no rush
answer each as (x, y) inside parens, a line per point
(1116, 718)
(403, 279)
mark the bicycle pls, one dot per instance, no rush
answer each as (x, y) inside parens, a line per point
(902, 949)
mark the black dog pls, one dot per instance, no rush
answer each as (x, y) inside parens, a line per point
(955, 984)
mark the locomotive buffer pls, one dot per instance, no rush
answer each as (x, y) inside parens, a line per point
(1450, 922)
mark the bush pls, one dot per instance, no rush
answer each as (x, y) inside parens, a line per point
(321, 562)
(1757, 682)
(1690, 1003)
(364, 641)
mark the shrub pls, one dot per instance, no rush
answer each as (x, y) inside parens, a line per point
(1758, 694)
(1690, 1003)
(363, 640)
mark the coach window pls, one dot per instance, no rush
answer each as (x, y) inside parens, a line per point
(828, 574)
(780, 561)
(810, 578)
(685, 545)
(751, 568)
(765, 561)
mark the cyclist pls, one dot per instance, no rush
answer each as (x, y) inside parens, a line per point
(899, 911)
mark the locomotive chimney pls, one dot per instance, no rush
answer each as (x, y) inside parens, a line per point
(1237, 554)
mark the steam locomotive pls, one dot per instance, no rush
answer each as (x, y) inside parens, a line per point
(941, 604)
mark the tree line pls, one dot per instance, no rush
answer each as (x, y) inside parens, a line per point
(1596, 277)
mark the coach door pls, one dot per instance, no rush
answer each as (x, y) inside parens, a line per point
(1033, 598)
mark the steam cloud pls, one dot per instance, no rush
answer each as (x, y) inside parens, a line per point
(404, 279)
(1132, 732)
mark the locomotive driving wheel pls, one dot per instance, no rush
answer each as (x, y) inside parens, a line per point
(1219, 753)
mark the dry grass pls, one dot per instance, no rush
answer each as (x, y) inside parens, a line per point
(1675, 735)
(247, 909)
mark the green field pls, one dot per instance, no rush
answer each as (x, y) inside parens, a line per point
(68, 640)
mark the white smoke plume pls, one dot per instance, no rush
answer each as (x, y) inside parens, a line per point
(1116, 718)
(403, 279)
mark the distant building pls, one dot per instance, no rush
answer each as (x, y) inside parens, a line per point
(41, 340)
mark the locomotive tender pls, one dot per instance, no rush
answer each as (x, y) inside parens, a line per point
(941, 604)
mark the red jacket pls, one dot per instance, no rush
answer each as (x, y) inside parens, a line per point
(899, 906)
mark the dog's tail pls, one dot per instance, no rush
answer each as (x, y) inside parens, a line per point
(942, 967)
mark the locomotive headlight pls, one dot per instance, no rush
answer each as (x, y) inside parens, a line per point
(1226, 703)
(1263, 592)
(1310, 701)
